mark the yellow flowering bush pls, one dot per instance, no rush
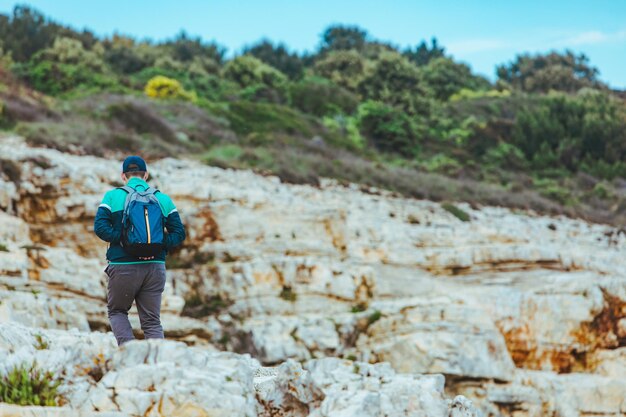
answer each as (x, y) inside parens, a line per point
(162, 87)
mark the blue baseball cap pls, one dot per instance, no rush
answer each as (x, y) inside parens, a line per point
(134, 163)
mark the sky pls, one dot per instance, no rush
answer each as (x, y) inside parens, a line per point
(482, 33)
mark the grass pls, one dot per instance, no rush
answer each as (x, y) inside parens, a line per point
(374, 317)
(288, 294)
(358, 308)
(42, 343)
(198, 307)
(29, 385)
(223, 155)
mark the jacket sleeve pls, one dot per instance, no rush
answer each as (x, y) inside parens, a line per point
(103, 225)
(175, 230)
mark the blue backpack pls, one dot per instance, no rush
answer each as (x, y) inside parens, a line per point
(143, 223)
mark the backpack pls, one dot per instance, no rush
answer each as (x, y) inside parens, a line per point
(142, 223)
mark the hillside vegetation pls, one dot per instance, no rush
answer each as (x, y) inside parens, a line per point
(547, 135)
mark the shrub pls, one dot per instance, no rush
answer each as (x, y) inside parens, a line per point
(346, 127)
(358, 308)
(564, 130)
(247, 71)
(397, 82)
(388, 128)
(65, 66)
(288, 294)
(42, 343)
(446, 77)
(374, 317)
(278, 57)
(551, 189)
(3, 248)
(456, 212)
(602, 191)
(56, 78)
(344, 68)
(198, 307)
(321, 97)
(469, 94)
(506, 155)
(161, 87)
(28, 385)
(441, 163)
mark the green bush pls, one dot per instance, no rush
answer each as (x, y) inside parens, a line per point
(3, 248)
(551, 189)
(388, 129)
(28, 385)
(374, 317)
(602, 191)
(321, 97)
(505, 155)
(65, 66)
(278, 57)
(248, 71)
(469, 94)
(456, 212)
(344, 68)
(56, 78)
(347, 128)
(397, 82)
(444, 77)
(565, 130)
(551, 71)
(441, 163)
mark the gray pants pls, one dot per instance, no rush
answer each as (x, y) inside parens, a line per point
(143, 283)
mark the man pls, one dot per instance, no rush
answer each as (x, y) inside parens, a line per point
(133, 277)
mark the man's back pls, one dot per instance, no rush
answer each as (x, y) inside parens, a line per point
(108, 223)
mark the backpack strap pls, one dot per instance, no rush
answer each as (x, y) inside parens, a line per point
(130, 190)
(127, 188)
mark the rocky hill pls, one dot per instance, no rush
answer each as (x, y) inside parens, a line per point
(336, 301)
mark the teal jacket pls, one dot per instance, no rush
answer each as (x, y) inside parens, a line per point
(108, 223)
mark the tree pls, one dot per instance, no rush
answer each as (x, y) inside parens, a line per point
(184, 48)
(27, 31)
(395, 81)
(553, 71)
(423, 54)
(259, 80)
(343, 38)
(278, 57)
(344, 68)
(590, 126)
(446, 77)
(66, 65)
(124, 55)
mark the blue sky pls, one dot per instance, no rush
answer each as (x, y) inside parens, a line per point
(482, 33)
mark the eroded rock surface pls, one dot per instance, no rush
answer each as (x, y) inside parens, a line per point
(520, 312)
(168, 378)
